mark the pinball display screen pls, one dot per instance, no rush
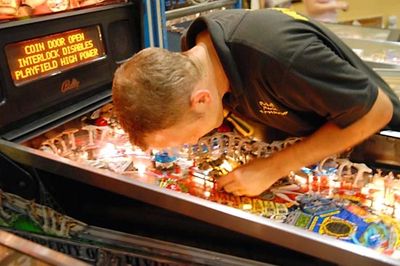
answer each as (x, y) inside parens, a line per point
(336, 197)
(46, 56)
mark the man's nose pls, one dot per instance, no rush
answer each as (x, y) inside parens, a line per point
(193, 141)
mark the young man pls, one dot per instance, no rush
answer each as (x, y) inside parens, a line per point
(271, 66)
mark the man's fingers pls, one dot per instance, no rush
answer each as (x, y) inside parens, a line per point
(224, 180)
(238, 193)
(232, 187)
(229, 185)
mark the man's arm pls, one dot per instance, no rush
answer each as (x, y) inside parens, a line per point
(257, 176)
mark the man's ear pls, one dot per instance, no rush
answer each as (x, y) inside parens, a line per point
(200, 99)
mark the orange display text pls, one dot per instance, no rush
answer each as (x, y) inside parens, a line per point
(49, 55)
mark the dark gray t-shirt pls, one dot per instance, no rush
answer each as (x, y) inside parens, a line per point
(288, 72)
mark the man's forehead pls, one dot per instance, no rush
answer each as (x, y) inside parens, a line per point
(158, 139)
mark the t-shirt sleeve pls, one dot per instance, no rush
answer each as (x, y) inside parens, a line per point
(318, 80)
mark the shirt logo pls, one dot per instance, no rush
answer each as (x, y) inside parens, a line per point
(270, 109)
(291, 13)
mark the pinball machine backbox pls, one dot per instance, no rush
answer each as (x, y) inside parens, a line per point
(57, 69)
(55, 65)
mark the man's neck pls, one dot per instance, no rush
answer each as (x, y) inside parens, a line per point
(212, 62)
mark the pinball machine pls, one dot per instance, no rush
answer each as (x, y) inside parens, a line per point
(57, 65)
(68, 166)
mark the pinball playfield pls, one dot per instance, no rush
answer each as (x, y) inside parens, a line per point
(335, 198)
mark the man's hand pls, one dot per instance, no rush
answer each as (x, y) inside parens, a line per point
(250, 179)
(258, 175)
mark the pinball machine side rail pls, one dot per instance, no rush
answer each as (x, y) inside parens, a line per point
(31, 249)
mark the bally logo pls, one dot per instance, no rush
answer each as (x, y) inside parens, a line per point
(69, 84)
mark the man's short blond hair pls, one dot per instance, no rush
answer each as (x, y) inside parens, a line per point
(151, 91)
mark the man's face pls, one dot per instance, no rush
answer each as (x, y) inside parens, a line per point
(177, 135)
(205, 102)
